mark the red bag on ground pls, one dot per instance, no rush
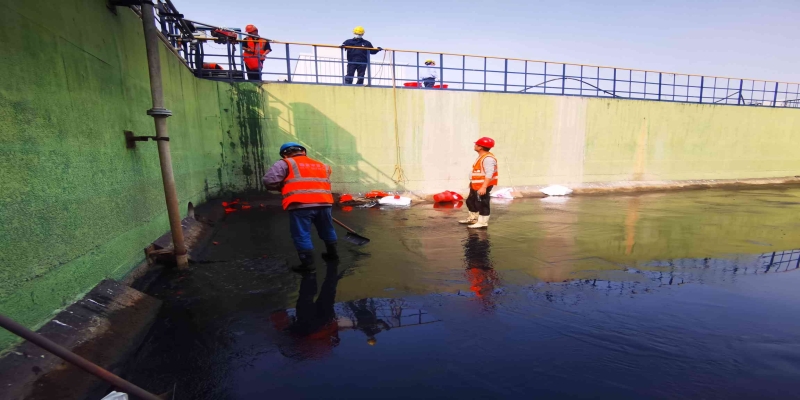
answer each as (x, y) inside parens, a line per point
(447, 196)
(376, 194)
(345, 198)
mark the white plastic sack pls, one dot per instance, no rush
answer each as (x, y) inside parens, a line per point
(505, 193)
(115, 396)
(392, 201)
(556, 190)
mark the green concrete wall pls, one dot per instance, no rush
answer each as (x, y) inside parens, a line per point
(76, 206)
(540, 139)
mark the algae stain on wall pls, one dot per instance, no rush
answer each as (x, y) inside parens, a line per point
(250, 118)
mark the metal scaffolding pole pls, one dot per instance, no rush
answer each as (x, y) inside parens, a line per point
(74, 359)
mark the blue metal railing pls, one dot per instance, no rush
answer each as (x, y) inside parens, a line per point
(326, 64)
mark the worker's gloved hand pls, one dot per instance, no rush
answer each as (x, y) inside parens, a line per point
(341, 47)
(380, 48)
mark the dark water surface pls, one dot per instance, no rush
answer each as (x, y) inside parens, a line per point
(677, 295)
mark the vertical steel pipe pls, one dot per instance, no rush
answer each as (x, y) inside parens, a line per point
(160, 114)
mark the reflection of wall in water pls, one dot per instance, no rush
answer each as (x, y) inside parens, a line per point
(648, 277)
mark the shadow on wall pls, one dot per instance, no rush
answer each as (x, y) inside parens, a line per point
(325, 141)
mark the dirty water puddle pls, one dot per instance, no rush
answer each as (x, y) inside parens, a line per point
(686, 294)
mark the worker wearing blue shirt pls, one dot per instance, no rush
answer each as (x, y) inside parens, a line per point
(357, 59)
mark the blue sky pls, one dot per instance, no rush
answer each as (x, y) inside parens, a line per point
(742, 39)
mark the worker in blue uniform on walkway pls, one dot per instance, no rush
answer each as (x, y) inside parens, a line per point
(306, 187)
(357, 59)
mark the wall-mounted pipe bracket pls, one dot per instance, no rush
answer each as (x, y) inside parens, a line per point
(159, 112)
(131, 139)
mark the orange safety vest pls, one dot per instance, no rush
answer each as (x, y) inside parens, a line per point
(308, 181)
(479, 175)
(254, 52)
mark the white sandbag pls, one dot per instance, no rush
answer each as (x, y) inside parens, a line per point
(505, 193)
(116, 396)
(556, 190)
(395, 201)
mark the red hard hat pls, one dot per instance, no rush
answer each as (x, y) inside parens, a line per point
(485, 142)
(250, 28)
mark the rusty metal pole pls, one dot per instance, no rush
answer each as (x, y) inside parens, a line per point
(160, 114)
(86, 365)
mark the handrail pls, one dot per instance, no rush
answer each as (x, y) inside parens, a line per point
(461, 72)
(211, 39)
(524, 59)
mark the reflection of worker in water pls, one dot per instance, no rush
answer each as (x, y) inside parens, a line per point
(367, 321)
(477, 259)
(482, 180)
(314, 330)
(306, 188)
(357, 59)
(429, 73)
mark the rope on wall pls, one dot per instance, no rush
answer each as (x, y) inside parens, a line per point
(398, 175)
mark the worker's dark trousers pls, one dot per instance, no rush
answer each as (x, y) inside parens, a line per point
(429, 82)
(351, 69)
(300, 221)
(253, 74)
(479, 204)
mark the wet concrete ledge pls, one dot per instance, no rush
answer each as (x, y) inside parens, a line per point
(106, 327)
(601, 188)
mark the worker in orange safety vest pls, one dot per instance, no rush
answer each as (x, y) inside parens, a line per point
(306, 187)
(482, 180)
(254, 51)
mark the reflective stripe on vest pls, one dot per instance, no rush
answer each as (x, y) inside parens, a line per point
(307, 182)
(253, 51)
(479, 175)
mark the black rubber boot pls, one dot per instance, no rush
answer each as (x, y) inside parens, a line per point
(306, 262)
(331, 252)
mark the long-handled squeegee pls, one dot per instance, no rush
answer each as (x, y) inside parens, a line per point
(352, 236)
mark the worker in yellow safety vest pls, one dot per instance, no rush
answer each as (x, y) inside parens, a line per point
(482, 180)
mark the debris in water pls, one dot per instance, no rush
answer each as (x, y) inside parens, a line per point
(395, 201)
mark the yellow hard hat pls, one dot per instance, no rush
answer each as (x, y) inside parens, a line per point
(429, 61)
(359, 30)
